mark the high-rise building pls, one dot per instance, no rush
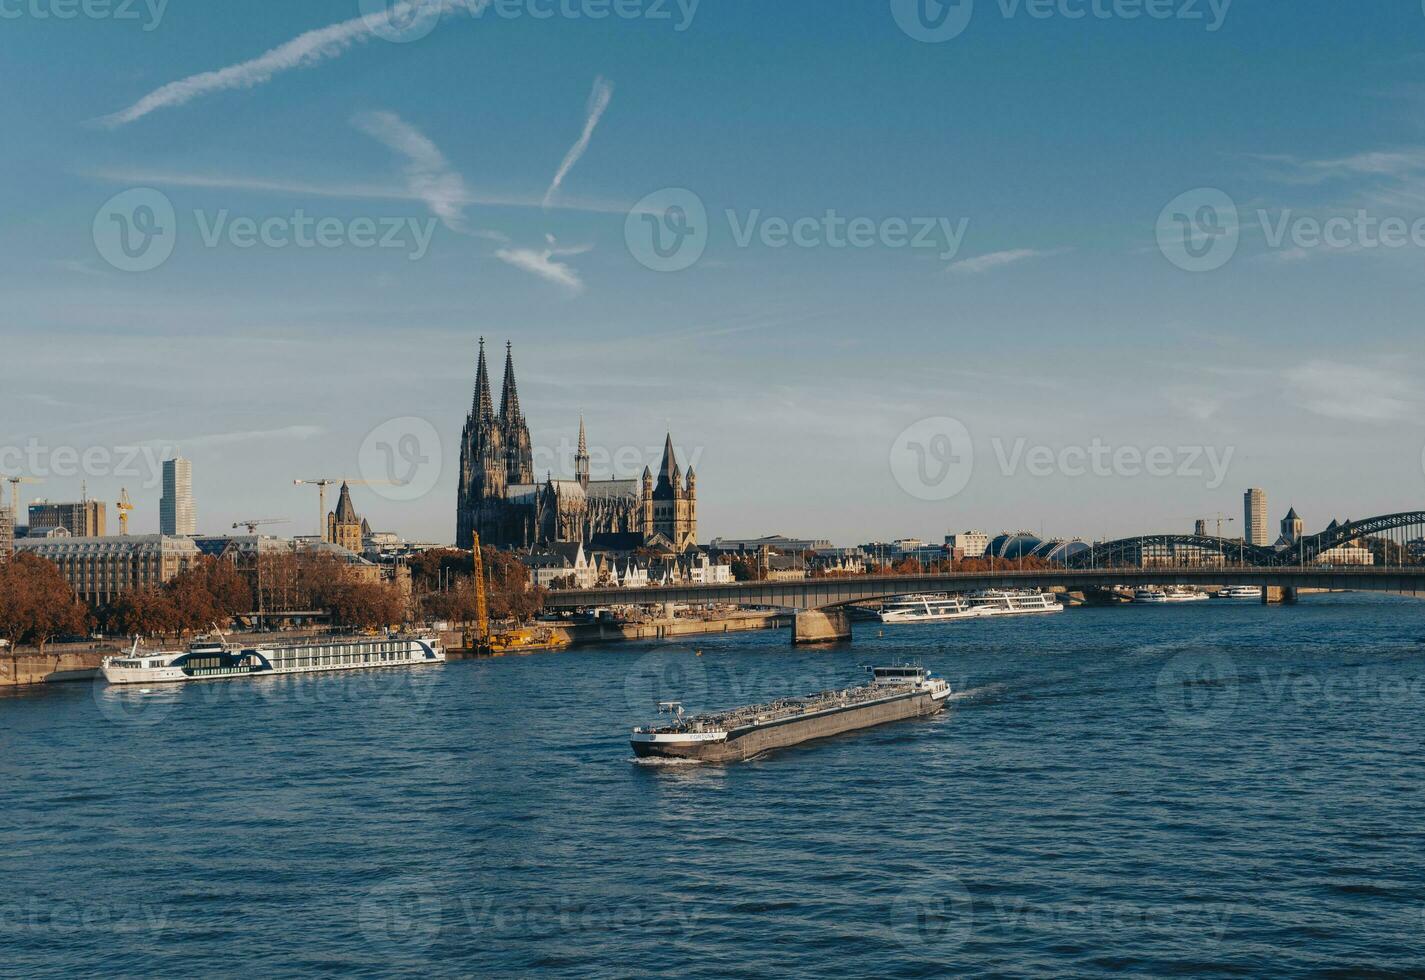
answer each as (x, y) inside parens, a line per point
(176, 515)
(1254, 517)
(1199, 529)
(84, 519)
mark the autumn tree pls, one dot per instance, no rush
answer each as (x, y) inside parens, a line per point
(368, 605)
(36, 603)
(142, 612)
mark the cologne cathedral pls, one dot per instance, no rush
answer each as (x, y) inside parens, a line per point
(500, 498)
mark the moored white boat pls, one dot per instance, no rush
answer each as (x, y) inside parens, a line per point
(217, 659)
(1239, 592)
(976, 605)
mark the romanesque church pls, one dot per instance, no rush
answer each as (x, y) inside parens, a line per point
(500, 498)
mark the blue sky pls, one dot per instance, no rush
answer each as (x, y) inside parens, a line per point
(788, 374)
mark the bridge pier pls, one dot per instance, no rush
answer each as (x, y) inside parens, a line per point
(1284, 594)
(820, 626)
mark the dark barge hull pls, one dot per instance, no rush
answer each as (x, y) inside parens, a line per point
(744, 743)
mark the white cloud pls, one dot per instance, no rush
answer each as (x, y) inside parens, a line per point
(997, 260)
(298, 433)
(303, 51)
(598, 101)
(542, 263)
(347, 191)
(429, 176)
(1352, 393)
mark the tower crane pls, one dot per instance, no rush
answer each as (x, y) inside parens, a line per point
(255, 523)
(123, 507)
(15, 482)
(1220, 517)
(321, 483)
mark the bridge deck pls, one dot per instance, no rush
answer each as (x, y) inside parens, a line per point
(821, 593)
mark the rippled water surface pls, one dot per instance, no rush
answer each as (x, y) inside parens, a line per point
(1209, 789)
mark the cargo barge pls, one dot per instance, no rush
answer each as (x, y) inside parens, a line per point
(893, 694)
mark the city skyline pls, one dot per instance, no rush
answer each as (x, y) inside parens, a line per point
(1057, 321)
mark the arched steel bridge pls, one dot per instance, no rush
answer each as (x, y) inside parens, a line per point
(1304, 551)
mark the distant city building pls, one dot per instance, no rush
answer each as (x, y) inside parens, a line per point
(84, 519)
(968, 544)
(7, 532)
(1346, 554)
(500, 498)
(1291, 528)
(176, 514)
(345, 528)
(99, 570)
(779, 543)
(1199, 529)
(1254, 517)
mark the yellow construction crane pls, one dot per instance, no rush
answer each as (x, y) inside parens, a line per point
(480, 643)
(321, 485)
(123, 507)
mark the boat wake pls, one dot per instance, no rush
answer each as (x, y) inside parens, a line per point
(981, 693)
(665, 761)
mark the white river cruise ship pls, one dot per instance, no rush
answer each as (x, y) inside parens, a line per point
(210, 659)
(976, 605)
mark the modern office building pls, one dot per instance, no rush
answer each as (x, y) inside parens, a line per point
(84, 519)
(175, 511)
(1254, 517)
(101, 569)
(968, 544)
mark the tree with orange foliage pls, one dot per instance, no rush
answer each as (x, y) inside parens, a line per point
(36, 603)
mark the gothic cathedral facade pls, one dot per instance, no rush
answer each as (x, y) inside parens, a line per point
(500, 498)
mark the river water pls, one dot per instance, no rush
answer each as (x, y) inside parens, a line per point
(1213, 789)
